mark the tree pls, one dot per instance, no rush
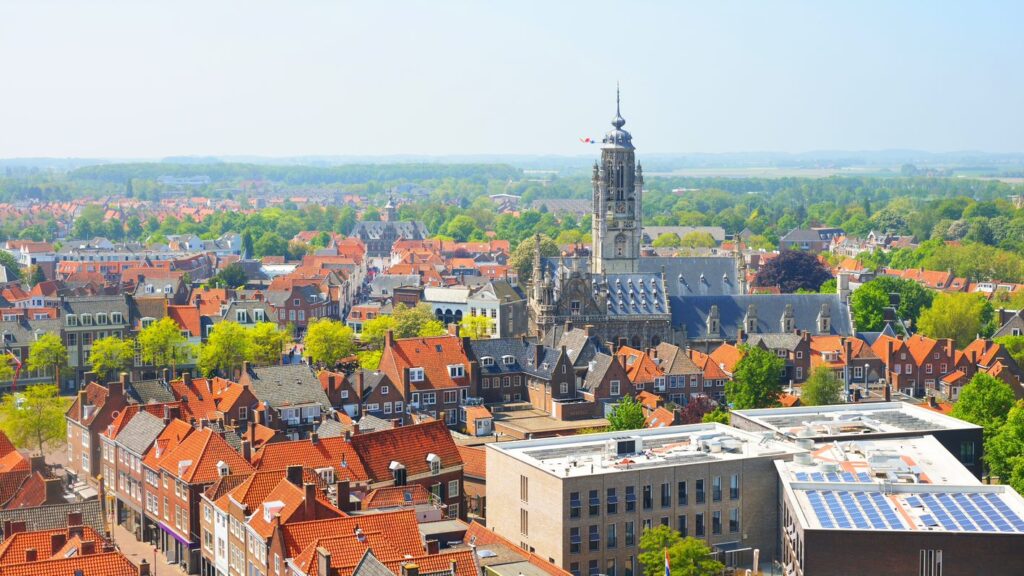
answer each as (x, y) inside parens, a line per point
(162, 344)
(961, 316)
(476, 327)
(328, 341)
(48, 353)
(35, 417)
(1005, 449)
(667, 240)
(985, 401)
(35, 275)
(374, 331)
(461, 227)
(822, 387)
(416, 321)
(271, 244)
(868, 302)
(267, 344)
(7, 261)
(720, 415)
(628, 414)
(697, 239)
(247, 248)
(521, 259)
(696, 409)
(792, 270)
(231, 276)
(686, 556)
(225, 349)
(110, 356)
(369, 359)
(756, 382)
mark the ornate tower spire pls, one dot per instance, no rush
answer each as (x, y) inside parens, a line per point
(618, 185)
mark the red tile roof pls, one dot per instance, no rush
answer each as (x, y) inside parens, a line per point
(480, 536)
(640, 367)
(433, 355)
(400, 526)
(335, 452)
(12, 550)
(408, 445)
(396, 496)
(202, 450)
(101, 564)
(167, 441)
(474, 461)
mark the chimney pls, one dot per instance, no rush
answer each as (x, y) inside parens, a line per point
(888, 393)
(343, 490)
(57, 541)
(588, 329)
(245, 367)
(433, 547)
(309, 500)
(166, 374)
(143, 568)
(410, 569)
(389, 340)
(246, 450)
(118, 387)
(88, 377)
(568, 326)
(360, 375)
(83, 401)
(76, 531)
(88, 548)
(186, 378)
(54, 491)
(739, 336)
(31, 555)
(74, 519)
(453, 330)
(314, 438)
(170, 413)
(294, 474)
(355, 428)
(538, 353)
(323, 560)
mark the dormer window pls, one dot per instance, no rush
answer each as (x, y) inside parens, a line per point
(146, 322)
(326, 473)
(508, 360)
(258, 315)
(435, 463)
(168, 289)
(416, 375)
(240, 316)
(72, 320)
(149, 289)
(487, 361)
(86, 319)
(116, 318)
(456, 371)
(101, 318)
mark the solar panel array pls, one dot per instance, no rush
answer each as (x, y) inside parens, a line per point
(953, 512)
(832, 477)
(846, 510)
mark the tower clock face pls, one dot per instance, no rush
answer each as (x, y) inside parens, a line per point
(620, 207)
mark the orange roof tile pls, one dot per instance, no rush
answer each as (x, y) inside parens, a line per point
(727, 356)
(474, 461)
(433, 355)
(12, 550)
(408, 445)
(640, 367)
(168, 440)
(202, 450)
(335, 452)
(101, 564)
(396, 496)
(400, 526)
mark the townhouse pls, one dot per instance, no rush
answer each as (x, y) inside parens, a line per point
(290, 398)
(85, 321)
(434, 375)
(91, 412)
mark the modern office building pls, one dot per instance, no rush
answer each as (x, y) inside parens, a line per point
(869, 420)
(582, 502)
(894, 507)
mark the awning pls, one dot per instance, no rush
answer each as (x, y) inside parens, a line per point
(174, 534)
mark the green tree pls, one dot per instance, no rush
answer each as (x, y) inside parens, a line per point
(369, 359)
(697, 239)
(110, 356)
(686, 556)
(230, 276)
(374, 331)
(13, 270)
(476, 327)
(720, 415)
(162, 344)
(868, 302)
(248, 251)
(35, 418)
(985, 401)
(521, 259)
(961, 316)
(461, 227)
(48, 353)
(1004, 450)
(271, 244)
(225, 349)
(628, 414)
(821, 388)
(35, 275)
(667, 240)
(328, 341)
(756, 382)
(416, 321)
(1015, 346)
(267, 344)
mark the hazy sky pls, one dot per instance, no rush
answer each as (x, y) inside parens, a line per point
(152, 78)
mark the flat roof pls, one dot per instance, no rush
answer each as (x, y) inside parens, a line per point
(852, 419)
(610, 452)
(920, 460)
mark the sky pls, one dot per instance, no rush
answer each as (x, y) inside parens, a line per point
(147, 79)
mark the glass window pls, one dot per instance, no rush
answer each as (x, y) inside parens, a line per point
(716, 488)
(666, 495)
(682, 525)
(595, 538)
(630, 498)
(698, 525)
(700, 491)
(612, 536)
(734, 520)
(682, 493)
(612, 501)
(574, 540)
(648, 497)
(594, 503)
(716, 522)
(734, 486)
(574, 505)
(630, 534)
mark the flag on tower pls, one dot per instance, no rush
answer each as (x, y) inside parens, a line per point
(588, 140)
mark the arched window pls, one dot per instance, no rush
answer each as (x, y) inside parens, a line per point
(620, 245)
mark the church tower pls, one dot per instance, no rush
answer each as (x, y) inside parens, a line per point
(618, 185)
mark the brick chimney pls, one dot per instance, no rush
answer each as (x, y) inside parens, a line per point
(323, 560)
(294, 474)
(309, 501)
(74, 519)
(31, 555)
(83, 402)
(343, 490)
(57, 541)
(410, 569)
(143, 568)
(54, 490)
(88, 548)
(117, 388)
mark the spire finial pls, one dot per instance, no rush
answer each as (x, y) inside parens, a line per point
(617, 113)
(618, 121)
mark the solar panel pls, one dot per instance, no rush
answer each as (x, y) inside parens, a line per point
(991, 513)
(887, 511)
(1006, 511)
(914, 502)
(927, 520)
(943, 517)
(819, 509)
(832, 477)
(974, 513)
(817, 477)
(801, 476)
(863, 477)
(847, 477)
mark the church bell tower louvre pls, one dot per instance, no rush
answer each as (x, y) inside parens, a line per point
(618, 189)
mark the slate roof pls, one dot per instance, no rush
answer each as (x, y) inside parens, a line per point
(390, 282)
(51, 516)
(140, 432)
(290, 385)
(691, 269)
(330, 429)
(599, 366)
(691, 313)
(406, 230)
(674, 361)
(94, 304)
(22, 332)
(802, 235)
(776, 341)
(150, 392)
